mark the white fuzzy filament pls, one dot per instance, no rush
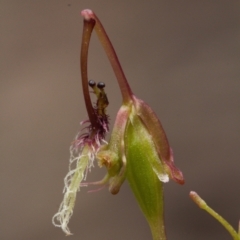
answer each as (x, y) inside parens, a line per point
(82, 160)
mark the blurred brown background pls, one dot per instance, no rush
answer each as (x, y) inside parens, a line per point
(181, 57)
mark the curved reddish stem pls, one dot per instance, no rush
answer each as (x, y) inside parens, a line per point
(126, 91)
(87, 31)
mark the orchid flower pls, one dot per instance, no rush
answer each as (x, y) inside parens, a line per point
(138, 150)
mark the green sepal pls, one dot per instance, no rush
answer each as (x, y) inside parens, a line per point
(155, 129)
(148, 189)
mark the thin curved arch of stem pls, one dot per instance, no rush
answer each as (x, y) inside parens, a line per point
(87, 32)
(126, 91)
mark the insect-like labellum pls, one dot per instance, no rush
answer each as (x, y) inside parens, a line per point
(100, 107)
(102, 100)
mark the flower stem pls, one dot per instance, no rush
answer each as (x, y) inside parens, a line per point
(156, 223)
(112, 56)
(158, 231)
(202, 204)
(239, 228)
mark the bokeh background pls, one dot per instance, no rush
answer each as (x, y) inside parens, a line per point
(181, 57)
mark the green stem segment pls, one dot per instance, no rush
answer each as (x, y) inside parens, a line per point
(202, 204)
(142, 179)
(239, 228)
(112, 56)
(158, 230)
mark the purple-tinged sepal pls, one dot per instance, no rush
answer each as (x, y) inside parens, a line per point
(155, 129)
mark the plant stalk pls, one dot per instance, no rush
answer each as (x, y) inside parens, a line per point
(112, 56)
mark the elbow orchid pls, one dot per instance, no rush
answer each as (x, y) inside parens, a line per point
(138, 149)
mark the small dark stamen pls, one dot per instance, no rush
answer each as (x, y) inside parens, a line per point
(91, 83)
(101, 85)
